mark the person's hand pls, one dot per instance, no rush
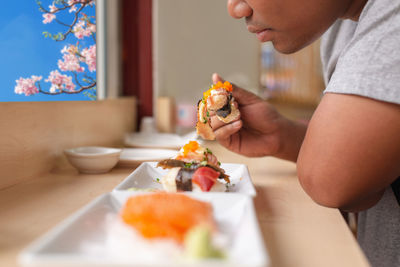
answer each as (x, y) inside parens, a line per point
(260, 130)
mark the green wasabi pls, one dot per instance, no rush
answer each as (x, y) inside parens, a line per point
(198, 244)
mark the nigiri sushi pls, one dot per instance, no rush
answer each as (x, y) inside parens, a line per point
(195, 168)
(168, 226)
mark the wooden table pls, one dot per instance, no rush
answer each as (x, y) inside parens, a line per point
(297, 232)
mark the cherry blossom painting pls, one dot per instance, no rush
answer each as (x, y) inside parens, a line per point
(48, 50)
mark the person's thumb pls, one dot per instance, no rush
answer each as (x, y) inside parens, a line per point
(242, 96)
(216, 78)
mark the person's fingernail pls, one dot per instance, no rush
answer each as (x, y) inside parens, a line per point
(214, 76)
(236, 124)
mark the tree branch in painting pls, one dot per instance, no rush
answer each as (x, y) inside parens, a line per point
(75, 58)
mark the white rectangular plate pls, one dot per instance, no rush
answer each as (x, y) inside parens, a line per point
(83, 238)
(145, 176)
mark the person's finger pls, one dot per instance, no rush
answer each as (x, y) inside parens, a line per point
(216, 123)
(227, 130)
(216, 78)
(242, 96)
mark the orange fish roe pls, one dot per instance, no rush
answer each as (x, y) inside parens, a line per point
(192, 146)
(165, 215)
(226, 85)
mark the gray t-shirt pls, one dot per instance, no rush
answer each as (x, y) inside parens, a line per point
(363, 58)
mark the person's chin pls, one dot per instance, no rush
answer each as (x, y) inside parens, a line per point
(285, 48)
(288, 46)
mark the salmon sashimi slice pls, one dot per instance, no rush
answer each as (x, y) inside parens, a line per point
(166, 215)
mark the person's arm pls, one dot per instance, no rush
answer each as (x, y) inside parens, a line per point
(351, 151)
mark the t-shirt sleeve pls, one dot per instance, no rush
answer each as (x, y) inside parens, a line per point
(370, 64)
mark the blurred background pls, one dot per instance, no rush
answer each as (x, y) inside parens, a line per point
(165, 51)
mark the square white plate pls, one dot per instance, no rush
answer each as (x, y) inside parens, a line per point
(145, 176)
(81, 240)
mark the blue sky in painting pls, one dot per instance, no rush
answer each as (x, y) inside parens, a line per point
(24, 51)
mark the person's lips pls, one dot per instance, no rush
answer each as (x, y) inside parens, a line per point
(263, 35)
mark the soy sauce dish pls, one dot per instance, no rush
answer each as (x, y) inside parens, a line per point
(93, 159)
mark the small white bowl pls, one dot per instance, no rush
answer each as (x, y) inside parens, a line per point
(93, 159)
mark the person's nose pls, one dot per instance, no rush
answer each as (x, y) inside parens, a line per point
(239, 9)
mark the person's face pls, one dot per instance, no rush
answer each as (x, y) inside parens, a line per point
(289, 24)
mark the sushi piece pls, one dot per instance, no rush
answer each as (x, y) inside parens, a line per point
(166, 215)
(195, 168)
(218, 99)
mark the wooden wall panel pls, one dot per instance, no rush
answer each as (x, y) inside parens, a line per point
(33, 135)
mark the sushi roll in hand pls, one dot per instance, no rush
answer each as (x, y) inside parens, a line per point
(195, 168)
(217, 99)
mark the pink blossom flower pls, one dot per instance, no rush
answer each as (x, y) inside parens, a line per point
(92, 27)
(70, 60)
(89, 55)
(48, 17)
(52, 8)
(78, 29)
(27, 86)
(72, 9)
(60, 82)
(83, 29)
